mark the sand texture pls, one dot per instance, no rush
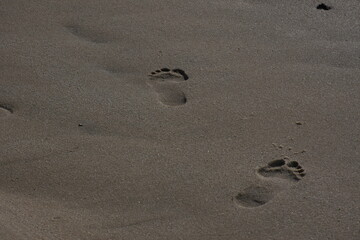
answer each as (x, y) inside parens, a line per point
(193, 120)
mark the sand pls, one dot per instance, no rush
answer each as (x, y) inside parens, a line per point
(167, 119)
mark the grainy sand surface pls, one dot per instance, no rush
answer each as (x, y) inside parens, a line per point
(136, 119)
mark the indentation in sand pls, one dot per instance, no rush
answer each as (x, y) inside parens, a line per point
(323, 6)
(282, 169)
(87, 34)
(163, 80)
(253, 196)
(5, 110)
(163, 74)
(171, 97)
(256, 196)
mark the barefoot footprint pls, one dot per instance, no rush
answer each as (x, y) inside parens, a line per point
(255, 196)
(162, 81)
(279, 168)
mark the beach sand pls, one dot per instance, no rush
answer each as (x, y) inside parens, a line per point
(167, 119)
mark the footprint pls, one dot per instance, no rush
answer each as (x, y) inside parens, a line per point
(256, 196)
(5, 110)
(162, 81)
(280, 168)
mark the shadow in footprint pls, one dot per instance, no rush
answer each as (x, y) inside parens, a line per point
(176, 74)
(323, 6)
(5, 110)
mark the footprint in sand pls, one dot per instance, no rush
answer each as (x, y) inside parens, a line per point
(255, 196)
(164, 82)
(5, 110)
(280, 168)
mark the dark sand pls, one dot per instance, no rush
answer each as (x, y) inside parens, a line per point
(95, 146)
